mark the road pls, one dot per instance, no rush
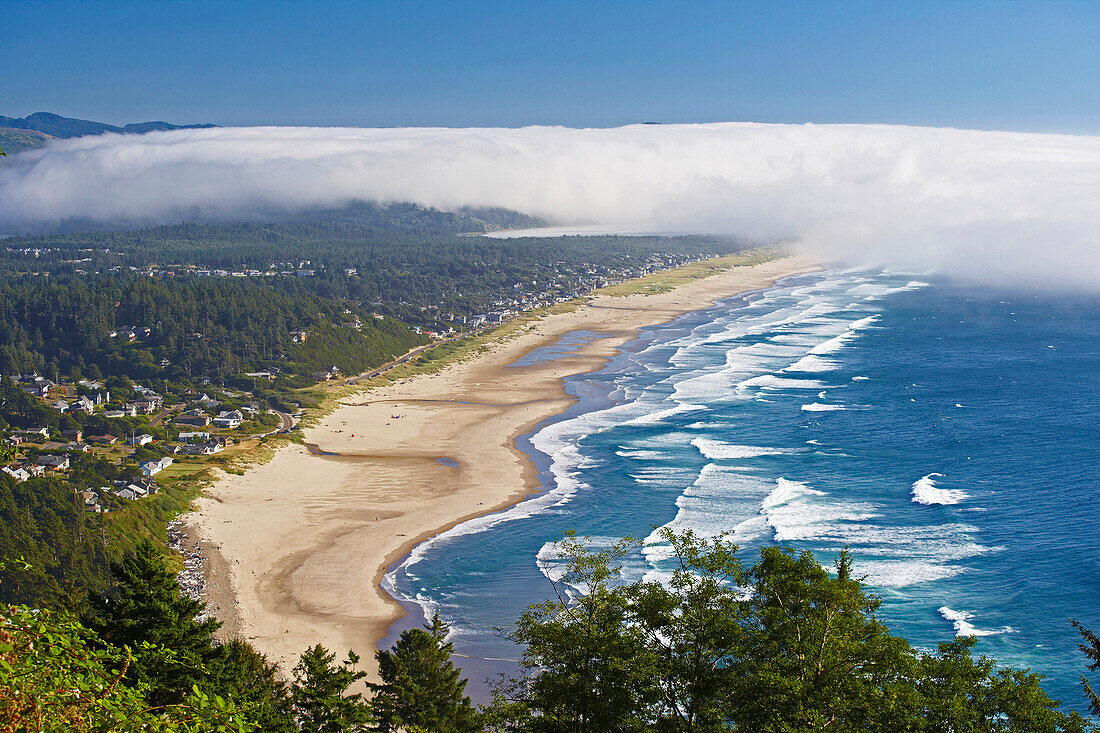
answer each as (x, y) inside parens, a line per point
(402, 359)
(286, 422)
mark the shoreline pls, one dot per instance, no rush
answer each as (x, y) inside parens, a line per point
(304, 541)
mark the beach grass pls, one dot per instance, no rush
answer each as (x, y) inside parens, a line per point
(325, 397)
(665, 280)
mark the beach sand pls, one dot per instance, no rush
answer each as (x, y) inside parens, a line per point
(298, 546)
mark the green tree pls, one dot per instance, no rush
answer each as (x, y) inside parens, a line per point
(147, 615)
(784, 646)
(319, 694)
(593, 667)
(815, 657)
(959, 692)
(421, 690)
(692, 625)
(57, 677)
(1091, 648)
(240, 673)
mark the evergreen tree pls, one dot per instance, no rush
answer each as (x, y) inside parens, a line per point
(1091, 648)
(57, 677)
(240, 673)
(148, 615)
(318, 694)
(421, 690)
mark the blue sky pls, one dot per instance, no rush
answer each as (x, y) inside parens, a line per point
(1031, 66)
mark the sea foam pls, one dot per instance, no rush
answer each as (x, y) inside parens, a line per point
(926, 492)
(961, 621)
(717, 450)
(822, 407)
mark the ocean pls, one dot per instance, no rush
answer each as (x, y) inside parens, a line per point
(945, 433)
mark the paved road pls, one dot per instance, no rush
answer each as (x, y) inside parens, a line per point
(286, 422)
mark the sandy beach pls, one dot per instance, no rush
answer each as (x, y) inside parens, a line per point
(298, 546)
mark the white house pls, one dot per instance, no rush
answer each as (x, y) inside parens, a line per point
(229, 419)
(152, 468)
(19, 474)
(142, 439)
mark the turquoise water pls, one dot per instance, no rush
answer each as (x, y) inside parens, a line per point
(947, 434)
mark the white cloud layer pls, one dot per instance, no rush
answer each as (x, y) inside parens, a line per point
(991, 205)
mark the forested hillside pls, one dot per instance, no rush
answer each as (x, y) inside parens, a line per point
(399, 260)
(197, 327)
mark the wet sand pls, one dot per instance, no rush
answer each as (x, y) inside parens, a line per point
(298, 546)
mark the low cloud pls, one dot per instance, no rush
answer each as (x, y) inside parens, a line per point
(991, 205)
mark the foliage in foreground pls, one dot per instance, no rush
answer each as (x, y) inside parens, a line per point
(782, 646)
(56, 675)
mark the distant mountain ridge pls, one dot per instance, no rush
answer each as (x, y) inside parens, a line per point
(58, 126)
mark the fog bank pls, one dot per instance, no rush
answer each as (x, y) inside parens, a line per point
(991, 205)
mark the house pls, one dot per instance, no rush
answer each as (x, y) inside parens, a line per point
(126, 493)
(152, 468)
(33, 433)
(78, 447)
(208, 448)
(145, 483)
(13, 440)
(91, 501)
(207, 401)
(72, 435)
(57, 463)
(195, 418)
(19, 473)
(229, 419)
(84, 405)
(148, 405)
(143, 439)
(299, 337)
(129, 410)
(103, 439)
(60, 406)
(194, 437)
(331, 373)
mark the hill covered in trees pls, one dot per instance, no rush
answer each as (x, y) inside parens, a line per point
(221, 299)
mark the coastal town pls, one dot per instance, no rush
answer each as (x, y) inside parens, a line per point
(131, 436)
(143, 437)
